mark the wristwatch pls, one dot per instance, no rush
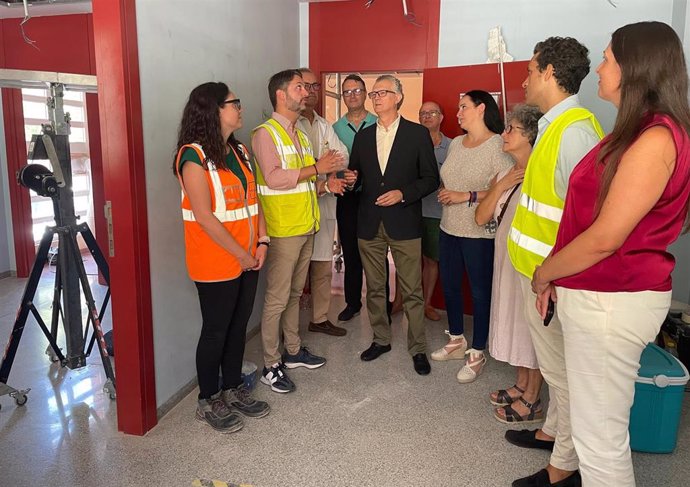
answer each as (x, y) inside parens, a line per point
(265, 240)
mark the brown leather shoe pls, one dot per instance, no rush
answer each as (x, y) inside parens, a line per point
(431, 313)
(328, 328)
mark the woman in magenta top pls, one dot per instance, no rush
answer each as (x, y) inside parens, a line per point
(610, 269)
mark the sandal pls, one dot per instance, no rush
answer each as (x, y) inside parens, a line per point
(534, 415)
(503, 398)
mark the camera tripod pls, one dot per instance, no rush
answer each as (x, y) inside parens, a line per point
(70, 276)
(68, 256)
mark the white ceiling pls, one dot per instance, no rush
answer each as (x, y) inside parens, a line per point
(43, 10)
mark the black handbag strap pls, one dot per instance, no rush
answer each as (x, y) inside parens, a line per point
(505, 205)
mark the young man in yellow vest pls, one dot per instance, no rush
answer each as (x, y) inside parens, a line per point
(567, 132)
(286, 178)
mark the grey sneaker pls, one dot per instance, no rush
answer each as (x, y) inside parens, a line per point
(240, 400)
(216, 414)
(303, 358)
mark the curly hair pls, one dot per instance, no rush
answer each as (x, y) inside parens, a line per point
(492, 117)
(569, 58)
(201, 124)
(529, 117)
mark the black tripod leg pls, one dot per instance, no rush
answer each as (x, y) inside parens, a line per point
(103, 268)
(26, 305)
(106, 300)
(55, 319)
(93, 312)
(98, 256)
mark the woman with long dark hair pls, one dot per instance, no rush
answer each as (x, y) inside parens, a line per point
(225, 243)
(472, 161)
(610, 268)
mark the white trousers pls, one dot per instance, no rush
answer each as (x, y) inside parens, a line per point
(548, 345)
(604, 336)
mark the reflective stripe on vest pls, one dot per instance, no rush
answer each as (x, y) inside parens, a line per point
(543, 210)
(225, 216)
(540, 209)
(294, 211)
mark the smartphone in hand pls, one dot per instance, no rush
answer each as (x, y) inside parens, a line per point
(549, 312)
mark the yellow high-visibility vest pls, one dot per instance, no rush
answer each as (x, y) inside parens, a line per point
(539, 211)
(289, 212)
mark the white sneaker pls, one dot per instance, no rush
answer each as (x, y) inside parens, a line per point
(452, 351)
(473, 367)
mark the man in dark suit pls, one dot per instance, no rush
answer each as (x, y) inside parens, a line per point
(396, 168)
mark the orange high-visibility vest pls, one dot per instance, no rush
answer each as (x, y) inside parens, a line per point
(234, 207)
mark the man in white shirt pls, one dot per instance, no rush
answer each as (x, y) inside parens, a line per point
(322, 138)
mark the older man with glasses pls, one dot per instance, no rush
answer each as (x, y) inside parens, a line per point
(396, 168)
(431, 116)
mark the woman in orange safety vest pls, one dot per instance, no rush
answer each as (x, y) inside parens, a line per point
(225, 246)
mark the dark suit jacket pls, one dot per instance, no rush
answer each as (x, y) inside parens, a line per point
(411, 168)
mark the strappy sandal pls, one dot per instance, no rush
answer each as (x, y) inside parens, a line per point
(503, 398)
(535, 414)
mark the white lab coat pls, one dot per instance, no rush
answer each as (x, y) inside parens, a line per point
(323, 138)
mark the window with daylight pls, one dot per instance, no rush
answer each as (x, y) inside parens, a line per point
(35, 114)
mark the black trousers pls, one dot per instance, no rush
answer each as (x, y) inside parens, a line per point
(347, 207)
(225, 309)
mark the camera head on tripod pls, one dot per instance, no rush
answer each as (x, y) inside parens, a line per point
(39, 179)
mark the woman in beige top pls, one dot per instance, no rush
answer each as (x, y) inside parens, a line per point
(472, 161)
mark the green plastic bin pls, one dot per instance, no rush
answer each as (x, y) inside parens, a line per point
(659, 390)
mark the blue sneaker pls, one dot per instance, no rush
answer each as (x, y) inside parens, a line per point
(303, 358)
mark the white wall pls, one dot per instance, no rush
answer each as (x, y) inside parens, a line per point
(463, 38)
(181, 45)
(7, 261)
(465, 26)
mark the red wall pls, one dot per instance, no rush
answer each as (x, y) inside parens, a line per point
(65, 44)
(346, 36)
(444, 85)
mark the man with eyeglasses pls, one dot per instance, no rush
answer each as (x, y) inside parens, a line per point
(354, 93)
(431, 116)
(396, 168)
(322, 139)
(286, 178)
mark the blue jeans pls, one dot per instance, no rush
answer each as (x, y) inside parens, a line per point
(476, 256)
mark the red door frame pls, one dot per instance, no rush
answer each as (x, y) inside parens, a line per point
(20, 200)
(119, 101)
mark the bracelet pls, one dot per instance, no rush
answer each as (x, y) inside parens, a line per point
(469, 200)
(316, 170)
(267, 244)
(328, 190)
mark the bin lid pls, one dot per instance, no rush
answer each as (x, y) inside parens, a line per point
(659, 367)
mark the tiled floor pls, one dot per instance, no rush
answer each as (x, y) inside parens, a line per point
(349, 423)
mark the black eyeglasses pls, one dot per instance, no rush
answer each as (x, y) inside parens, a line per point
(312, 86)
(355, 92)
(511, 127)
(379, 93)
(236, 102)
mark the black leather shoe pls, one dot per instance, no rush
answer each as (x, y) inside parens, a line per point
(348, 313)
(541, 479)
(374, 352)
(528, 439)
(421, 364)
